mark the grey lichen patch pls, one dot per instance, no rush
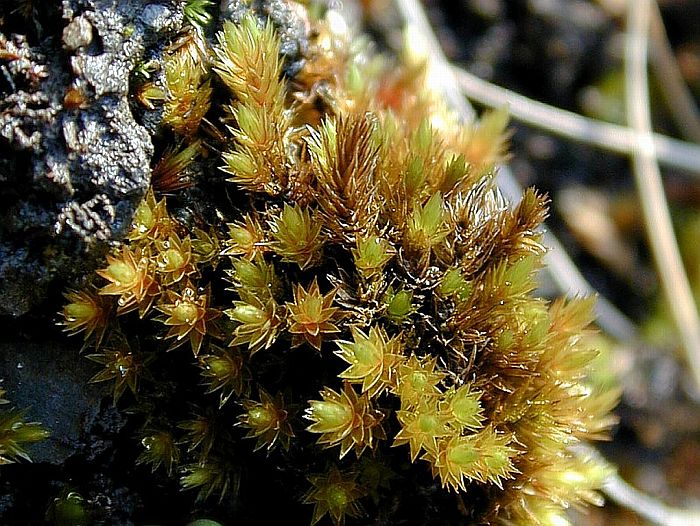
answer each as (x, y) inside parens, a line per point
(160, 18)
(74, 161)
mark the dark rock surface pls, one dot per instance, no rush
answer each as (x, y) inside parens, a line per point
(50, 379)
(74, 162)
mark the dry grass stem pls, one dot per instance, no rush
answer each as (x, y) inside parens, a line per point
(648, 178)
(569, 125)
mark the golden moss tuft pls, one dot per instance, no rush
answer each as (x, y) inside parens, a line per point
(426, 352)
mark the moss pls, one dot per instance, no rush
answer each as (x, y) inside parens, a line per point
(372, 281)
(16, 433)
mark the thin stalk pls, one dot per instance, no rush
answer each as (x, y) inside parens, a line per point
(677, 96)
(570, 125)
(648, 179)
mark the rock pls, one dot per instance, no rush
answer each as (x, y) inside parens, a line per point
(50, 379)
(74, 162)
(77, 34)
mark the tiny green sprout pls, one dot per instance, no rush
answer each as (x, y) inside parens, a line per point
(456, 174)
(248, 62)
(418, 380)
(188, 90)
(518, 278)
(151, 221)
(463, 404)
(454, 284)
(200, 434)
(256, 277)
(373, 358)
(130, 276)
(223, 371)
(159, 449)
(258, 322)
(296, 236)
(206, 248)
(197, 13)
(211, 476)
(87, 311)
(457, 462)
(371, 254)
(422, 145)
(187, 314)
(375, 476)
(414, 178)
(422, 139)
(150, 95)
(346, 420)
(120, 365)
(311, 316)
(247, 170)
(68, 509)
(146, 68)
(427, 226)
(15, 433)
(398, 306)
(174, 259)
(421, 427)
(497, 456)
(267, 421)
(253, 127)
(333, 414)
(128, 30)
(245, 238)
(334, 493)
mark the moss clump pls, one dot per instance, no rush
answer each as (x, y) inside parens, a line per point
(361, 298)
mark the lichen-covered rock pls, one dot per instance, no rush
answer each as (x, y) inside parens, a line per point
(74, 163)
